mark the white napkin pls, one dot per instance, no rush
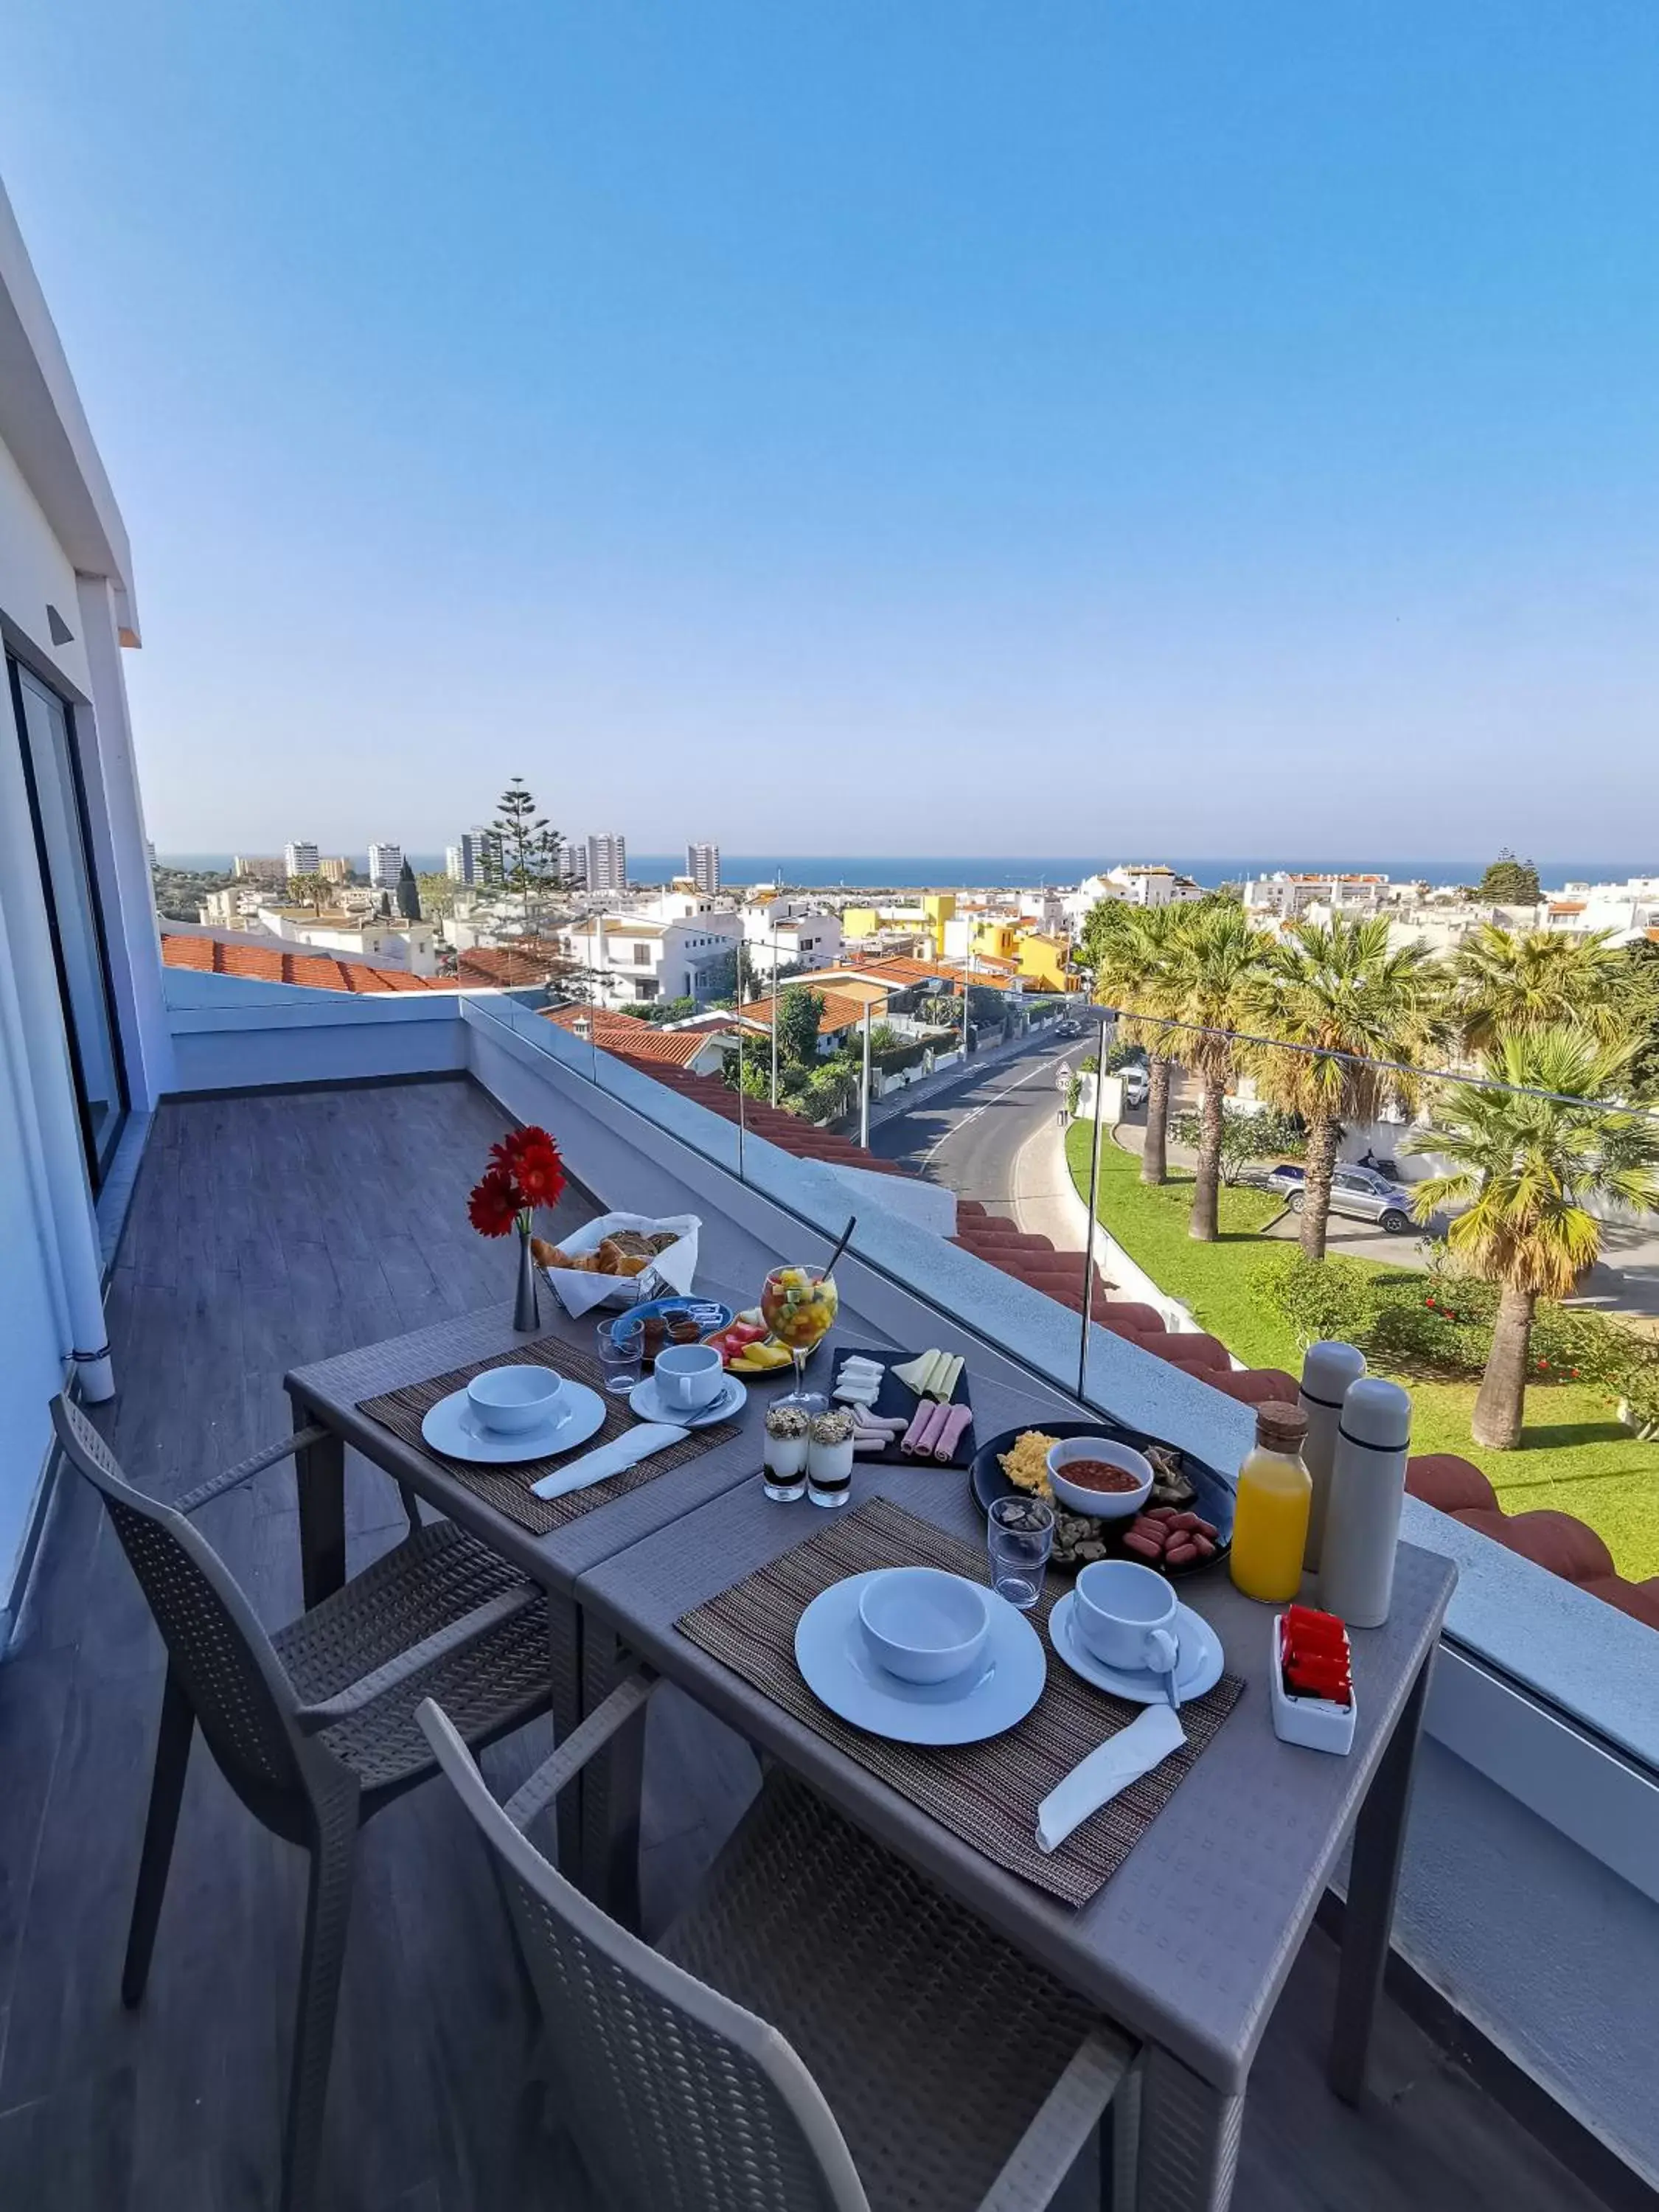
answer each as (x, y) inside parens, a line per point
(610, 1459)
(1113, 1766)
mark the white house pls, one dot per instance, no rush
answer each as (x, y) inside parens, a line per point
(1136, 883)
(628, 958)
(1287, 894)
(85, 1050)
(1628, 910)
(785, 932)
(382, 941)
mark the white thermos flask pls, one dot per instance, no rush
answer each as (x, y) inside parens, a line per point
(1362, 1520)
(1327, 1373)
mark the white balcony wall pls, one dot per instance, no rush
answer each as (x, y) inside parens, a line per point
(230, 1033)
(63, 551)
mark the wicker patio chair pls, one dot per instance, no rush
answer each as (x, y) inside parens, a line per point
(918, 2063)
(314, 1726)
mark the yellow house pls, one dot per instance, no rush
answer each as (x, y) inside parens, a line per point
(930, 910)
(1042, 961)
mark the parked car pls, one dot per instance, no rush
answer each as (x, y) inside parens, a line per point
(1368, 1197)
(1288, 1177)
(1135, 1083)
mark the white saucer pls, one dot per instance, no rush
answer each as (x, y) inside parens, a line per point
(452, 1427)
(838, 1666)
(649, 1405)
(1199, 1667)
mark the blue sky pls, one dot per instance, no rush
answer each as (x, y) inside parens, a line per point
(941, 426)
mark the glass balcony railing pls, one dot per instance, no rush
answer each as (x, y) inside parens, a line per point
(1555, 1535)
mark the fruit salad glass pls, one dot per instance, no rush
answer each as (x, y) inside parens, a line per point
(798, 1304)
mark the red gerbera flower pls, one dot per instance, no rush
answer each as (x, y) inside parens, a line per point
(494, 1206)
(512, 1146)
(539, 1174)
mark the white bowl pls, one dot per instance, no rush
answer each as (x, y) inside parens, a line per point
(512, 1400)
(923, 1625)
(1099, 1504)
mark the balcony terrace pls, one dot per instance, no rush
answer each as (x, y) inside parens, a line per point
(268, 1230)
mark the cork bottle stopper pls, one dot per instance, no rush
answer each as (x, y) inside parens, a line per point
(1280, 1427)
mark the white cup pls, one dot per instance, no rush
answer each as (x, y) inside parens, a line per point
(1125, 1614)
(690, 1376)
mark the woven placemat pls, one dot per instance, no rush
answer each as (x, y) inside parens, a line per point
(987, 1793)
(507, 1488)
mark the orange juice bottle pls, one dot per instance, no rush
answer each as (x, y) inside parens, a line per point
(1270, 1520)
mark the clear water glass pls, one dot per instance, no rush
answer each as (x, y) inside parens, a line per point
(1020, 1532)
(619, 1348)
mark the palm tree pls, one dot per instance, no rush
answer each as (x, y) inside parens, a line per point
(1336, 987)
(1130, 949)
(1527, 1170)
(1508, 980)
(1214, 956)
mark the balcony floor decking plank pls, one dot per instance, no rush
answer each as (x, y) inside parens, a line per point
(268, 1231)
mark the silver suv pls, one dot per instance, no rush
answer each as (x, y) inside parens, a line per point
(1366, 1195)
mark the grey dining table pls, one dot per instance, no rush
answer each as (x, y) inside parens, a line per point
(596, 1819)
(1187, 1946)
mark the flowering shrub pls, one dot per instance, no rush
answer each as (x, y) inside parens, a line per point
(1441, 1324)
(525, 1171)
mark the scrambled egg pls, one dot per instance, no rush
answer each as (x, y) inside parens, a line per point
(1026, 1464)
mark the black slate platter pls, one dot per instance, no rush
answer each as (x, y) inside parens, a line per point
(893, 1397)
(1213, 1502)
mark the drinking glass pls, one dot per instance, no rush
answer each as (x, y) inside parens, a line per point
(619, 1350)
(1020, 1532)
(798, 1304)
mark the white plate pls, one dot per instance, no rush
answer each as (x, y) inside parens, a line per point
(650, 1405)
(452, 1427)
(1200, 1667)
(838, 1666)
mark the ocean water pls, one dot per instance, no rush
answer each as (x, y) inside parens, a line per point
(1018, 872)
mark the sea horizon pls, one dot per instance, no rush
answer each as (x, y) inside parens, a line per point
(1012, 871)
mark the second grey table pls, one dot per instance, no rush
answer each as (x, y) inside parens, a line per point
(1188, 1945)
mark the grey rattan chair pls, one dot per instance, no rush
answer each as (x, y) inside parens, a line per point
(927, 2066)
(314, 1726)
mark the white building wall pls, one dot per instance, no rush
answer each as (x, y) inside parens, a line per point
(61, 546)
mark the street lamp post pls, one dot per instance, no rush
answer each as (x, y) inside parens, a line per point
(864, 1106)
(1089, 1239)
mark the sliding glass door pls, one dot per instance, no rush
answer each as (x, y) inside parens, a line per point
(51, 770)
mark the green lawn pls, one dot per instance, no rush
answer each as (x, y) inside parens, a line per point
(1574, 1457)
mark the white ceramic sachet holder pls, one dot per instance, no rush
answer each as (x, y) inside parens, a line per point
(1314, 1721)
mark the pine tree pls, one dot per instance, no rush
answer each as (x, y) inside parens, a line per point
(529, 851)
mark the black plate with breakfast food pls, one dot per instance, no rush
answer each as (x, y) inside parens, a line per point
(1186, 1525)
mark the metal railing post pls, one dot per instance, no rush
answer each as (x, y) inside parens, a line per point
(864, 1109)
(742, 1130)
(1089, 1241)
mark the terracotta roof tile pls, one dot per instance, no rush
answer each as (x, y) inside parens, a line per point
(631, 1040)
(840, 1011)
(532, 960)
(270, 963)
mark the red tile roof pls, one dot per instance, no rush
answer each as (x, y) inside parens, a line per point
(532, 960)
(840, 1012)
(631, 1040)
(267, 964)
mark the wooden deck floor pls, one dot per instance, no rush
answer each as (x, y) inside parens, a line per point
(272, 1229)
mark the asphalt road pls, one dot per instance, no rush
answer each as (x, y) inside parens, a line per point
(972, 1137)
(969, 1139)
